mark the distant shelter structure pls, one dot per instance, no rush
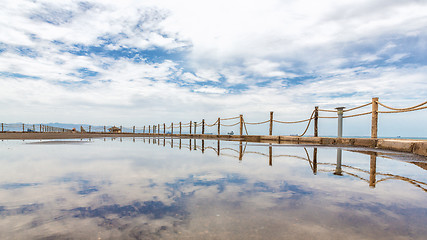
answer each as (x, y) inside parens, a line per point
(114, 129)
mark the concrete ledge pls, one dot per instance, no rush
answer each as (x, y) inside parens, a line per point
(401, 145)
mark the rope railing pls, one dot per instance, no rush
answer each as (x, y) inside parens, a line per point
(398, 109)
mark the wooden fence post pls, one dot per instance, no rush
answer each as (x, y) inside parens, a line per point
(2, 127)
(164, 128)
(172, 128)
(40, 127)
(133, 129)
(271, 123)
(143, 129)
(203, 126)
(149, 128)
(105, 129)
(195, 128)
(316, 121)
(23, 127)
(90, 128)
(191, 124)
(180, 130)
(219, 126)
(34, 128)
(374, 126)
(241, 124)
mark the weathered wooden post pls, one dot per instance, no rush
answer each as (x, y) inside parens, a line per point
(374, 127)
(164, 128)
(143, 129)
(316, 121)
(158, 128)
(172, 128)
(2, 127)
(195, 127)
(180, 132)
(133, 129)
(90, 128)
(203, 126)
(149, 129)
(271, 123)
(191, 124)
(105, 129)
(340, 113)
(241, 124)
(23, 127)
(219, 126)
(40, 127)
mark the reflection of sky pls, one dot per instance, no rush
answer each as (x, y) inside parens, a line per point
(126, 189)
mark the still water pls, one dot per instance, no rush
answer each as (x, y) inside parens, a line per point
(145, 188)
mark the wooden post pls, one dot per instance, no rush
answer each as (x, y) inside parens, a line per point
(203, 126)
(164, 128)
(133, 129)
(241, 124)
(143, 129)
(90, 128)
(40, 127)
(195, 128)
(219, 126)
(180, 131)
(191, 124)
(271, 123)
(172, 128)
(2, 127)
(105, 129)
(158, 128)
(374, 126)
(23, 127)
(149, 128)
(316, 121)
(34, 128)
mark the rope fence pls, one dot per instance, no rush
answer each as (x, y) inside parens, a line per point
(192, 127)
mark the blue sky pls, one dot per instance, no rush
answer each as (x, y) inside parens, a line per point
(147, 62)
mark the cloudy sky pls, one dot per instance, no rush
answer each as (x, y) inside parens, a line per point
(145, 62)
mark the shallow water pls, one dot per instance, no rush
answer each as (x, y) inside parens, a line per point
(140, 188)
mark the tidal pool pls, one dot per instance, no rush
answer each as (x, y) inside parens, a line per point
(157, 188)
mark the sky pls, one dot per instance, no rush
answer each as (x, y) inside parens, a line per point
(134, 62)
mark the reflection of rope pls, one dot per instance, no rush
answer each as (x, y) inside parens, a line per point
(399, 109)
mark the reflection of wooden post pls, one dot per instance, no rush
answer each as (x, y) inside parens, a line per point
(271, 123)
(191, 125)
(195, 145)
(164, 142)
(179, 143)
(373, 171)
(315, 161)
(172, 128)
(203, 146)
(149, 140)
(316, 121)
(180, 131)
(203, 126)
(219, 126)
(133, 139)
(195, 127)
(218, 148)
(190, 144)
(164, 128)
(338, 170)
(270, 155)
(374, 126)
(241, 124)
(171, 142)
(240, 151)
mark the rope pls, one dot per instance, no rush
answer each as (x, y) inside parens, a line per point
(397, 109)
(311, 117)
(230, 118)
(255, 123)
(305, 120)
(326, 117)
(408, 110)
(356, 115)
(231, 125)
(361, 106)
(246, 130)
(326, 110)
